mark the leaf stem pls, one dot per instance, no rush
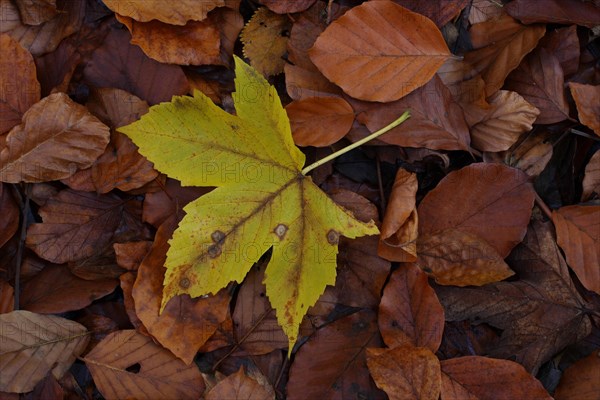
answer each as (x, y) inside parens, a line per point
(354, 145)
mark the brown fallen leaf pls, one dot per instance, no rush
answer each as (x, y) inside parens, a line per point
(319, 121)
(35, 12)
(578, 234)
(530, 154)
(591, 180)
(502, 197)
(539, 79)
(587, 100)
(482, 378)
(332, 363)
(540, 313)
(33, 345)
(555, 11)
(508, 117)
(10, 214)
(240, 386)
(7, 297)
(388, 60)
(410, 312)
(127, 364)
(484, 10)
(580, 381)
(563, 43)
(176, 14)
(500, 45)
(20, 87)
(57, 137)
(230, 23)
(287, 6)
(440, 12)
(406, 372)
(129, 255)
(302, 82)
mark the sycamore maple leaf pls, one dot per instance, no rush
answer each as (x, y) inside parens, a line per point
(262, 199)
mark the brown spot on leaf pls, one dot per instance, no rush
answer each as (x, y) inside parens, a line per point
(214, 251)
(280, 231)
(184, 283)
(217, 237)
(333, 237)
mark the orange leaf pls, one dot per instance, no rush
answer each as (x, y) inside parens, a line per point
(591, 180)
(20, 87)
(578, 234)
(500, 45)
(406, 372)
(177, 13)
(482, 378)
(160, 375)
(491, 201)
(587, 100)
(459, 258)
(580, 381)
(410, 312)
(388, 59)
(319, 121)
(239, 386)
(57, 136)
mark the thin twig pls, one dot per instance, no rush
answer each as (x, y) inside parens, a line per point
(380, 184)
(540, 203)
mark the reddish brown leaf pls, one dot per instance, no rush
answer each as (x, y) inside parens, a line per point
(10, 214)
(240, 386)
(161, 375)
(176, 14)
(75, 225)
(185, 324)
(591, 180)
(587, 99)
(388, 60)
(406, 372)
(101, 265)
(484, 10)
(287, 6)
(458, 258)
(500, 45)
(19, 87)
(302, 82)
(578, 234)
(332, 364)
(540, 313)
(57, 137)
(563, 43)
(440, 12)
(436, 120)
(409, 312)
(56, 290)
(502, 124)
(539, 79)
(555, 11)
(35, 12)
(127, 280)
(580, 381)
(119, 64)
(47, 389)
(230, 23)
(482, 378)
(319, 121)
(7, 297)
(491, 201)
(130, 255)
(55, 69)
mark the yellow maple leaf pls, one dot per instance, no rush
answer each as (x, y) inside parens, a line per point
(263, 199)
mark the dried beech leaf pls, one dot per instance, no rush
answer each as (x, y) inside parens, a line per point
(587, 99)
(9, 223)
(177, 13)
(580, 381)
(35, 12)
(482, 378)
(239, 386)
(484, 10)
(406, 372)
(7, 297)
(161, 375)
(319, 121)
(578, 234)
(563, 43)
(531, 155)
(591, 180)
(301, 83)
(508, 117)
(388, 59)
(265, 39)
(287, 6)
(129, 255)
(500, 45)
(440, 12)
(458, 258)
(539, 79)
(33, 345)
(19, 87)
(57, 137)
(491, 201)
(555, 11)
(410, 312)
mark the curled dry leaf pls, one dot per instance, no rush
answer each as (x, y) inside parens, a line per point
(338, 349)
(591, 180)
(195, 43)
(580, 380)
(482, 378)
(287, 6)
(20, 87)
(33, 345)
(388, 60)
(555, 11)
(240, 386)
(509, 116)
(458, 258)
(410, 312)
(587, 100)
(578, 234)
(532, 154)
(319, 121)
(502, 196)
(177, 13)
(161, 375)
(57, 137)
(539, 79)
(265, 39)
(500, 45)
(406, 372)
(35, 12)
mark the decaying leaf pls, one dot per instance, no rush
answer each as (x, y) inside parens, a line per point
(33, 345)
(388, 59)
(262, 201)
(587, 98)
